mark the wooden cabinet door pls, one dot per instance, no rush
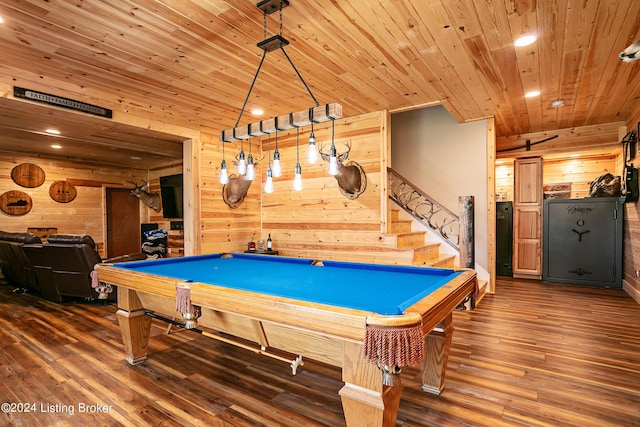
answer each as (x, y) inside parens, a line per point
(527, 218)
(528, 182)
(528, 241)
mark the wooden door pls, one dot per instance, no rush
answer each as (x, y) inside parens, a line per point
(123, 222)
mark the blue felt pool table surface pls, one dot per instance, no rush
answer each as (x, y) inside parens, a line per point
(382, 289)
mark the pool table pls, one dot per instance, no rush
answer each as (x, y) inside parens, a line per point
(370, 320)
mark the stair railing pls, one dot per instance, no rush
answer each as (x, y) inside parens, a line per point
(424, 208)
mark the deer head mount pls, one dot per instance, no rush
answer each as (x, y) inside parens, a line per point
(150, 200)
(351, 178)
(234, 192)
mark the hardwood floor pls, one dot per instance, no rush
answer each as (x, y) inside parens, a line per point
(534, 354)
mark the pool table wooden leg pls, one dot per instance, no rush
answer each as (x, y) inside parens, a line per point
(134, 326)
(436, 353)
(365, 401)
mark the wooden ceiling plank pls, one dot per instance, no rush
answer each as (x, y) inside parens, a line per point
(551, 19)
(578, 36)
(190, 63)
(449, 84)
(613, 82)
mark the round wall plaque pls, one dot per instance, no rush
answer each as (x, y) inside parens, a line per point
(62, 191)
(15, 202)
(28, 175)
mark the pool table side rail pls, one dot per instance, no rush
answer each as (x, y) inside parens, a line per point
(331, 321)
(131, 279)
(436, 306)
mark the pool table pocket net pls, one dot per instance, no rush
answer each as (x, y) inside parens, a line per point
(393, 348)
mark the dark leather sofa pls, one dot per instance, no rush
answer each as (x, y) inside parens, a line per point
(16, 268)
(64, 264)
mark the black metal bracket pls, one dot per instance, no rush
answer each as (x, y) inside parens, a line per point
(271, 6)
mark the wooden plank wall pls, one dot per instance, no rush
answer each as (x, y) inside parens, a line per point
(631, 251)
(318, 222)
(175, 243)
(84, 215)
(579, 172)
(602, 137)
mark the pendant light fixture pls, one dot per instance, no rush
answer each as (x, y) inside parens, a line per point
(268, 185)
(251, 172)
(277, 169)
(224, 174)
(310, 116)
(297, 179)
(333, 160)
(241, 165)
(312, 150)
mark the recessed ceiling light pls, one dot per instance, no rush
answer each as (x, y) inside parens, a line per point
(525, 41)
(575, 155)
(557, 103)
(532, 94)
(56, 146)
(53, 131)
(257, 111)
(136, 158)
(1, 20)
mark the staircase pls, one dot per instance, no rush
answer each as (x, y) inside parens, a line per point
(424, 253)
(400, 246)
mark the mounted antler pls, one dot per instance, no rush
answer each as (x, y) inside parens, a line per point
(150, 200)
(234, 192)
(351, 178)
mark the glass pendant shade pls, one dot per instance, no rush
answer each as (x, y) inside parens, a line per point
(224, 175)
(312, 150)
(242, 166)
(277, 169)
(297, 180)
(333, 161)
(251, 171)
(268, 185)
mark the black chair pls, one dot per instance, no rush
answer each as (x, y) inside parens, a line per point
(71, 259)
(41, 265)
(16, 267)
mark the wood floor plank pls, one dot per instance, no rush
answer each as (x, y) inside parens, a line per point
(533, 354)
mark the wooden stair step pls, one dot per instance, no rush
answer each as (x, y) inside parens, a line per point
(427, 254)
(414, 239)
(442, 261)
(361, 253)
(400, 226)
(483, 289)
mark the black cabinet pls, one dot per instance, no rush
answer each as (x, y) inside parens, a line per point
(582, 241)
(504, 239)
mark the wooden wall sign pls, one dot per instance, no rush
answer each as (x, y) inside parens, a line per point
(60, 101)
(28, 175)
(15, 202)
(62, 191)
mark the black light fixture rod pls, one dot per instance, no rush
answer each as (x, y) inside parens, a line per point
(264, 55)
(300, 77)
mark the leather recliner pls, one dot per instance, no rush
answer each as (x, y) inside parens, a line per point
(67, 261)
(16, 267)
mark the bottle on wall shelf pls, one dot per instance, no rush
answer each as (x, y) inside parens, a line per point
(260, 244)
(269, 243)
(251, 246)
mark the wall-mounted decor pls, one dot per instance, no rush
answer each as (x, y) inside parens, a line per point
(351, 178)
(62, 191)
(59, 101)
(28, 175)
(15, 202)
